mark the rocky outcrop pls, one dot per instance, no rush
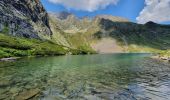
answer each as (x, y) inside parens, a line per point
(26, 18)
(70, 23)
(61, 15)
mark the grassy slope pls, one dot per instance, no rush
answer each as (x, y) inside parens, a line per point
(78, 40)
(143, 43)
(73, 40)
(148, 38)
(60, 44)
(156, 40)
(133, 37)
(15, 46)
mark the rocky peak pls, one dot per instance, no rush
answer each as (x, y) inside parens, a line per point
(151, 24)
(63, 15)
(112, 18)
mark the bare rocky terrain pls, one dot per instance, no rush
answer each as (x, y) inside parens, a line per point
(107, 45)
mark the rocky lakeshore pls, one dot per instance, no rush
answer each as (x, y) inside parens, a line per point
(10, 59)
(162, 58)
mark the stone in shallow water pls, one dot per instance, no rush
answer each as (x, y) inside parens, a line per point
(92, 97)
(4, 83)
(3, 96)
(52, 98)
(14, 91)
(27, 94)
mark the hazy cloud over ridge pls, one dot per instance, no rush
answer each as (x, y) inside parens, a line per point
(85, 5)
(155, 10)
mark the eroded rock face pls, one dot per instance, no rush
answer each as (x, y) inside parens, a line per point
(26, 18)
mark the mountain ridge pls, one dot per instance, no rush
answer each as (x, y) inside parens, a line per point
(133, 37)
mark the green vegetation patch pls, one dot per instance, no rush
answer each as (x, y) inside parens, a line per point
(17, 46)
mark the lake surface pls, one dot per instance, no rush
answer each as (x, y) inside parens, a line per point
(86, 77)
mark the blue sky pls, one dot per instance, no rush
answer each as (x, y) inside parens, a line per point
(129, 9)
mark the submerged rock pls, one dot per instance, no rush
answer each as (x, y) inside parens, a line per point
(25, 95)
(4, 83)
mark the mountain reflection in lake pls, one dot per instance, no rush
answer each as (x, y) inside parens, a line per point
(86, 77)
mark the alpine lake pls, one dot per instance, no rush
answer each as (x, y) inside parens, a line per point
(124, 76)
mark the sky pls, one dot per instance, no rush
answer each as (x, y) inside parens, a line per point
(140, 11)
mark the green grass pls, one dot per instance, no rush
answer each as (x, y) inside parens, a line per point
(13, 46)
(17, 46)
(79, 41)
(165, 53)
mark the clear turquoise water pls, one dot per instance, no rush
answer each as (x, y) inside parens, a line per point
(85, 77)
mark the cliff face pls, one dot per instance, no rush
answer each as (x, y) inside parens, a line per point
(26, 18)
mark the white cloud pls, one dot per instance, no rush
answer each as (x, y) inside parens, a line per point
(85, 5)
(155, 10)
